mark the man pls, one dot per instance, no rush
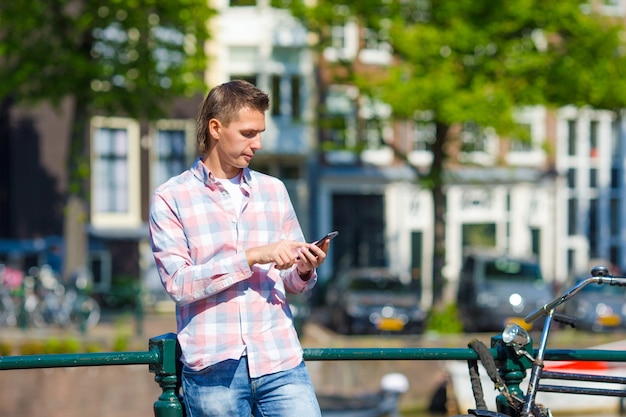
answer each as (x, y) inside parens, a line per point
(228, 246)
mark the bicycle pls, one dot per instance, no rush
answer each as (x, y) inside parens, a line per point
(515, 355)
(62, 305)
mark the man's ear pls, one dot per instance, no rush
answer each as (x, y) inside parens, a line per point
(214, 127)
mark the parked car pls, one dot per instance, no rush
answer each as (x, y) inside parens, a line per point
(496, 288)
(373, 300)
(598, 308)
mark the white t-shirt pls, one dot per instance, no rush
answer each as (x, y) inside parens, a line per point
(232, 186)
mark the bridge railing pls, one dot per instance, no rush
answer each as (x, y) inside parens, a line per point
(162, 358)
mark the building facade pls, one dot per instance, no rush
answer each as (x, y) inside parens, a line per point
(560, 197)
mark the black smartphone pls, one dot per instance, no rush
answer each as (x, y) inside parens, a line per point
(330, 236)
(320, 242)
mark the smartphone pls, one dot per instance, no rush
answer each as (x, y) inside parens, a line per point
(320, 242)
(330, 236)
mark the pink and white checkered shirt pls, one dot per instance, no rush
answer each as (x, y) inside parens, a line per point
(223, 306)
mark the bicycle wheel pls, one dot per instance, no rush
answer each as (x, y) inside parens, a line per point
(86, 313)
(7, 312)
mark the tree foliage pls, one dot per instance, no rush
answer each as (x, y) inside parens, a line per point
(114, 56)
(467, 61)
(111, 57)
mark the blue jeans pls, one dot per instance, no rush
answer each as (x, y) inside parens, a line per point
(226, 390)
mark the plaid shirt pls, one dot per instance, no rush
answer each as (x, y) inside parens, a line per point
(223, 306)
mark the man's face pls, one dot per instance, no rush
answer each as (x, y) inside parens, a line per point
(236, 143)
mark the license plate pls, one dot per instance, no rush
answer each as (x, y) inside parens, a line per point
(520, 322)
(610, 321)
(390, 324)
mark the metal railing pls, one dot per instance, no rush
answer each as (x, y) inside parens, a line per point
(162, 358)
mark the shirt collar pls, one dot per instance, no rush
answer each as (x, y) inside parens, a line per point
(207, 177)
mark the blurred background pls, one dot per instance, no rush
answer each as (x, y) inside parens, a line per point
(449, 142)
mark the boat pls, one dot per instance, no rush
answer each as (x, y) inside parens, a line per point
(384, 402)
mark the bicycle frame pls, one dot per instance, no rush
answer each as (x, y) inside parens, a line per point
(519, 341)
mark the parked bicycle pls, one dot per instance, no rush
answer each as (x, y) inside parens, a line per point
(10, 281)
(519, 356)
(63, 305)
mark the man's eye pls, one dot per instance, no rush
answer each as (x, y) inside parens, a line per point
(250, 134)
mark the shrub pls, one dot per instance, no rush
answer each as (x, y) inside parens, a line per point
(445, 320)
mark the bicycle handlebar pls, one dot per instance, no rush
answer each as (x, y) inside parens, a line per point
(599, 275)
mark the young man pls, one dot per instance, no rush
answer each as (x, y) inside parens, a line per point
(228, 247)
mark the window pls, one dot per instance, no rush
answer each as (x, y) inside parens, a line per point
(375, 50)
(275, 103)
(115, 172)
(339, 124)
(344, 39)
(295, 96)
(593, 138)
(526, 142)
(523, 144)
(252, 79)
(376, 127)
(571, 137)
(572, 216)
(283, 101)
(477, 144)
(473, 138)
(424, 131)
(172, 149)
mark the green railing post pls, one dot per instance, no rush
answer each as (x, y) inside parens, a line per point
(166, 375)
(512, 368)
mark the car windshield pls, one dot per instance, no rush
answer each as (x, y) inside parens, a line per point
(503, 269)
(377, 284)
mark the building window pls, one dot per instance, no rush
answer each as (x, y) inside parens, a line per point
(376, 127)
(252, 79)
(344, 39)
(282, 99)
(115, 172)
(571, 137)
(172, 149)
(614, 216)
(524, 143)
(477, 144)
(275, 95)
(615, 178)
(593, 227)
(295, 96)
(593, 138)
(424, 131)
(572, 216)
(571, 178)
(340, 123)
(593, 178)
(376, 50)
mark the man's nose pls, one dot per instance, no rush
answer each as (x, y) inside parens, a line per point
(256, 142)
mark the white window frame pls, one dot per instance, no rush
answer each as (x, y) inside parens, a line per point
(132, 217)
(486, 156)
(535, 117)
(350, 47)
(376, 51)
(186, 125)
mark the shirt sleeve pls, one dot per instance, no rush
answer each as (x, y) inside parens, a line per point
(184, 281)
(292, 230)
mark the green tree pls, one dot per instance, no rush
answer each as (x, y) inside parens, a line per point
(113, 57)
(468, 61)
